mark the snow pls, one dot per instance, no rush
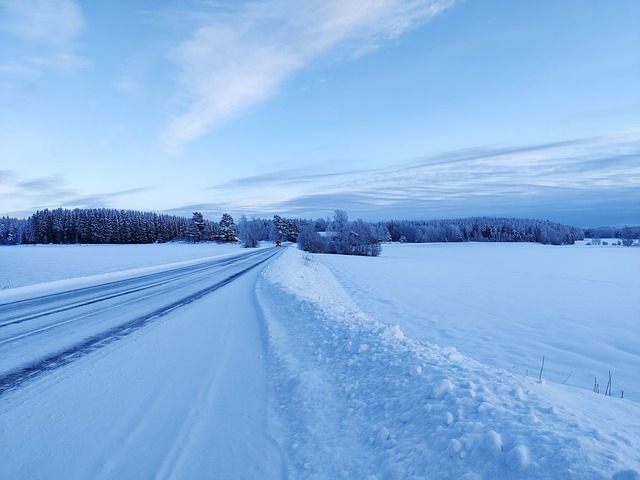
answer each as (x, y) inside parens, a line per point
(32, 264)
(154, 404)
(507, 305)
(406, 408)
(410, 365)
(28, 271)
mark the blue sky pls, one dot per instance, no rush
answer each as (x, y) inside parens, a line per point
(387, 109)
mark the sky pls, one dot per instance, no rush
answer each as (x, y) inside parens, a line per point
(388, 109)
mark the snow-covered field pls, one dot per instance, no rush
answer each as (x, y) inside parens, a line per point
(421, 363)
(507, 305)
(32, 264)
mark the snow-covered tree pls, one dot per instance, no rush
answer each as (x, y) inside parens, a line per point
(344, 237)
(12, 231)
(363, 239)
(310, 240)
(195, 230)
(283, 230)
(251, 232)
(102, 226)
(628, 236)
(227, 229)
(483, 229)
(382, 232)
(340, 232)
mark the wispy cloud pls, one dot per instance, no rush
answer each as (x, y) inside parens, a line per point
(43, 34)
(6, 182)
(582, 176)
(240, 55)
(306, 175)
(100, 200)
(51, 192)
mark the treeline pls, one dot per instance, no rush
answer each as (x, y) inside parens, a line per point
(334, 235)
(110, 226)
(483, 229)
(12, 230)
(627, 235)
(102, 225)
(361, 238)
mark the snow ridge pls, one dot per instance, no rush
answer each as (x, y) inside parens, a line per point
(357, 398)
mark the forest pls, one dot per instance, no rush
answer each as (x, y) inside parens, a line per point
(331, 235)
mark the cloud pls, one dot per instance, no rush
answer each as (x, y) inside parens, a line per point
(211, 211)
(43, 21)
(42, 184)
(6, 176)
(6, 182)
(44, 33)
(293, 176)
(100, 200)
(611, 161)
(240, 55)
(50, 192)
(570, 181)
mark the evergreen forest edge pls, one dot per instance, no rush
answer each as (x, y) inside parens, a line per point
(331, 235)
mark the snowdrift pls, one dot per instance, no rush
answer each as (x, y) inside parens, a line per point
(359, 398)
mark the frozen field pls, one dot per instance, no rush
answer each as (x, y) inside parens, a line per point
(421, 363)
(360, 363)
(30, 264)
(507, 305)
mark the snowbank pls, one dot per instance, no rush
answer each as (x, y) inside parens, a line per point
(507, 305)
(360, 398)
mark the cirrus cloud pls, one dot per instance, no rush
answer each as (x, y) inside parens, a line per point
(39, 36)
(239, 56)
(585, 182)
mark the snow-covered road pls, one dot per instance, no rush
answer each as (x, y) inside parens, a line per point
(184, 397)
(40, 334)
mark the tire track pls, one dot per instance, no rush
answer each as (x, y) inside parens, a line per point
(16, 378)
(157, 279)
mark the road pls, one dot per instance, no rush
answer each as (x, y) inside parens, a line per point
(41, 334)
(159, 376)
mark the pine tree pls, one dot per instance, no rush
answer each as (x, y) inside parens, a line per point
(284, 230)
(228, 230)
(195, 229)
